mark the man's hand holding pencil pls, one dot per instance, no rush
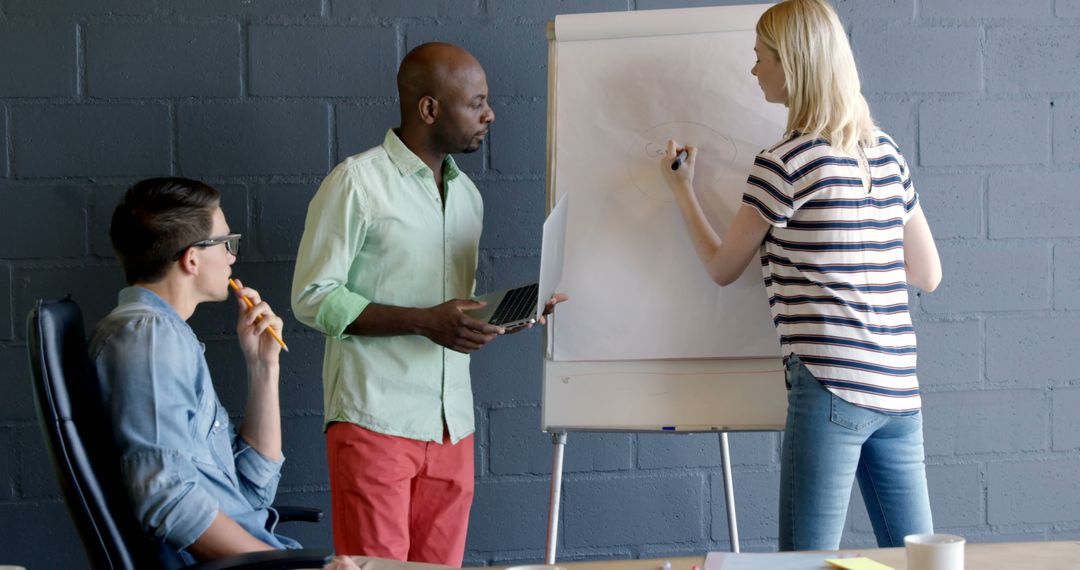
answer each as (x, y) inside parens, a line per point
(256, 317)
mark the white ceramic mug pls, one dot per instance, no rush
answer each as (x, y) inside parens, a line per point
(934, 551)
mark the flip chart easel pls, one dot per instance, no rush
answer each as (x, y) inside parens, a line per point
(607, 396)
(701, 359)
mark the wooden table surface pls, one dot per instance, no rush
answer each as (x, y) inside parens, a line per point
(1054, 555)
(1059, 555)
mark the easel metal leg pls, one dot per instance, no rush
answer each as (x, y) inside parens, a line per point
(729, 493)
(558, 441)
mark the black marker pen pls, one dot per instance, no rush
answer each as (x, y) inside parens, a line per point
(679, 160)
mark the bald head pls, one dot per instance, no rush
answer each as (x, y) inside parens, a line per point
(434, 69)
(443, 94)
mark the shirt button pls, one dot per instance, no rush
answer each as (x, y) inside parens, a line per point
(217, 423)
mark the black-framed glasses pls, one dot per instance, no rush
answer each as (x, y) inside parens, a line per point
(231, 241)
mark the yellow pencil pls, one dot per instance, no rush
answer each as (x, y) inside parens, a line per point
(270, 330)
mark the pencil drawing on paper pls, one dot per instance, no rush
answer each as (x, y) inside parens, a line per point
(648, 145)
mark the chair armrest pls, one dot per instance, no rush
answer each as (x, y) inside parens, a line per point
(305, 514)
(269, 560)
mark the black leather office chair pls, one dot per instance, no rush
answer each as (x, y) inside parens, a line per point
(73, 419)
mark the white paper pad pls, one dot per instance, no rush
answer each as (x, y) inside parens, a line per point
(551, 257)
(620, 94)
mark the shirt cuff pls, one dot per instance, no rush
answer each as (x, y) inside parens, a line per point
(191, 518)
(909, 207)
(254, 466)
(167, 498)
(338, 310)
(774, 219)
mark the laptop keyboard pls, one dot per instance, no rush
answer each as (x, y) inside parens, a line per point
(518, 304)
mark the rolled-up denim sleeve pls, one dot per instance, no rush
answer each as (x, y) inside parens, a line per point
(168, 500)
(149, 377)
(258, 475)
(334, 232)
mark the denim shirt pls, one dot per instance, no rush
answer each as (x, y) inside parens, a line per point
(182, 460)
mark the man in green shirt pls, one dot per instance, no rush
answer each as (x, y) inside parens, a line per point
(385, 270)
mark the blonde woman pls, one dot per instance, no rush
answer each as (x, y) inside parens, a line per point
(833, 214)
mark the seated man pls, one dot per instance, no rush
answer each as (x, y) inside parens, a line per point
(201, 490)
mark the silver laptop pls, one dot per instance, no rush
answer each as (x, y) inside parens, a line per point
(510, 308)
(523, 305)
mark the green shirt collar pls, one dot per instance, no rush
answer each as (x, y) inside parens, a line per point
(408, 163)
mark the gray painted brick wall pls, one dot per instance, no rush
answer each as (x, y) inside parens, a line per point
(1067, 8)
(73, 140)
(39, 59)
(955, 52)
(1066, 276)
(229, 138)
(5, 305)
(3, 145)
(1028, 59)
(126, 60)
(952, 203)
(984, 132)
(282, 56)
(991, 275)
(1066, 131)
(985, 9)
(262, 98)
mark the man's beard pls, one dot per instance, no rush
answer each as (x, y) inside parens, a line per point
(471, 148)
(459, 146)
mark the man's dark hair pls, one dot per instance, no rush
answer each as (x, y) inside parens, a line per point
(156, 219)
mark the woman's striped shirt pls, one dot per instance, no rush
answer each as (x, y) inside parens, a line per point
(833, 264)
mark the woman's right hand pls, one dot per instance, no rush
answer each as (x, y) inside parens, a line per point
(682, 179)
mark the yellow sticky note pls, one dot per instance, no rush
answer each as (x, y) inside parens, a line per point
(859, 563)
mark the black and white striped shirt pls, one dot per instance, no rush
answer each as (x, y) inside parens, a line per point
(833, 264)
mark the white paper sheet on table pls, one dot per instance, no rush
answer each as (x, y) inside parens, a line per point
(769, 561)
(637, 287)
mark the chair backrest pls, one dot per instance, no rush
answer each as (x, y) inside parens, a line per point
(77, 432)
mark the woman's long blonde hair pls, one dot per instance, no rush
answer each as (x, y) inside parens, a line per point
(824, 93)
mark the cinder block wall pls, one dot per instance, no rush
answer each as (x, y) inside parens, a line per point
(263, 97)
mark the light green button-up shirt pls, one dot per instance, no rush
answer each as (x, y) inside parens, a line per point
(377, 232)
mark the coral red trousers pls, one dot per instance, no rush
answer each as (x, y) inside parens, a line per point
(399, 498)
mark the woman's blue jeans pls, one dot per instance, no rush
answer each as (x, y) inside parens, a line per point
(827, 444)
